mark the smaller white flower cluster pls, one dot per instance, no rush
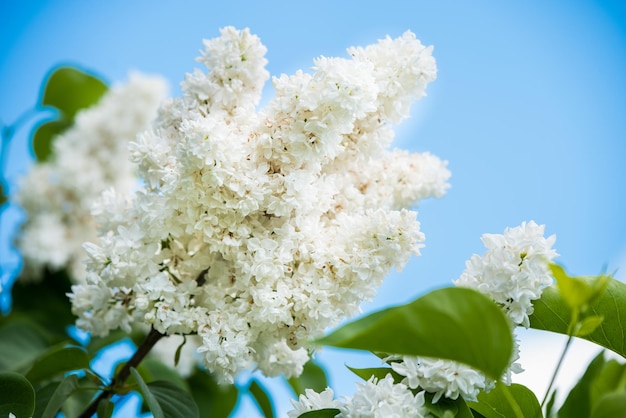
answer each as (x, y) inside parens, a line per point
(513, 272)
(89, 157)
(374, 399)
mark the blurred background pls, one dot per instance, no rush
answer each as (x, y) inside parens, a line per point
(528, 108)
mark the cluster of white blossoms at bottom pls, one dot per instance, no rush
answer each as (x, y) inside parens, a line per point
(258, 229)
(513, 272)
(89, 157)
(374, 399)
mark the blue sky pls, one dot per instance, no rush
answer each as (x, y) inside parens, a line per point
(528, 108)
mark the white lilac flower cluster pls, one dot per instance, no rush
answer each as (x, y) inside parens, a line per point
(373, 399)
(86, 159)
(256, 230)
(513, 272)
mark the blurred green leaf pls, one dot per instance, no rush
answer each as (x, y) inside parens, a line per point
(436, 325)
(611, 405)
(496, 403)
(321, 413)
(105, 408)
(63, 391)
(578, 402)
(57, 361)
(78, 401)
(165, 399)
(70, 89)
(42, 397)
(574, 291)
(378, 372)
(44, 135)
(313, 377)
(152, 370)
(262, 399)
(17, 395)
(552, 313)
(610, 378)
(21, 342)
(447, 407)
(588, 325)
(213, 400)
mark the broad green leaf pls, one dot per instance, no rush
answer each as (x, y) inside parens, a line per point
(21, 342)
(574, 291)
(550, 405)
(497, 403)
(45, 303)
(70, 89)
(78, 401)
(436, 325)
(313, 377)
(63, 391)
(105, 408)
(213, 400)
(610, 378)
(588, 325)
(148, 398)
(447, 407)
(262, 399)
(42, 397)
(17, 395)
(578, 402)
(44, 135)
(611, 405)
(165, 399)
(57, 361)
(321, 413)
(553, 314)
(378, 372)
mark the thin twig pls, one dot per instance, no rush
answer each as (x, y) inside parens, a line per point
(556, 371)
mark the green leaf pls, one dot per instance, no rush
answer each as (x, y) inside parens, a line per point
(152, 370)
(165, 399)
(321, 413)
(574, 291)
(213, 400)
(63, 391)
(313, 377)
(447, 407)
(17, 395)
(498, 403)
(611, 405)
(262, 399)
(105, 408)
(21, 342)
(44, 135)
(57, 361)
(588, 325)
(578, 402)
(179, 350)
(70, 89)
(550, 405)
(436, 325)
(378, 372)
(553, 314)
(610, 378)
(78, 401)
(42, 398)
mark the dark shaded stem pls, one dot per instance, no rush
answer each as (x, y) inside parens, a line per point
(556, 371)
(151, 339)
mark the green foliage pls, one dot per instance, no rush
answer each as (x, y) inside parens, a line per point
(612, 405)
(62, 391)
(22, 342)
(312, 377)
(605, 297)
(213, 400)
(445, 408)
(105, 408)
(262, 398)
(68, 90)
(377, 372)
(321, 413)
(165, 399)
(436, 325)
(57, 361)
(17, 395)
(508, 401)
